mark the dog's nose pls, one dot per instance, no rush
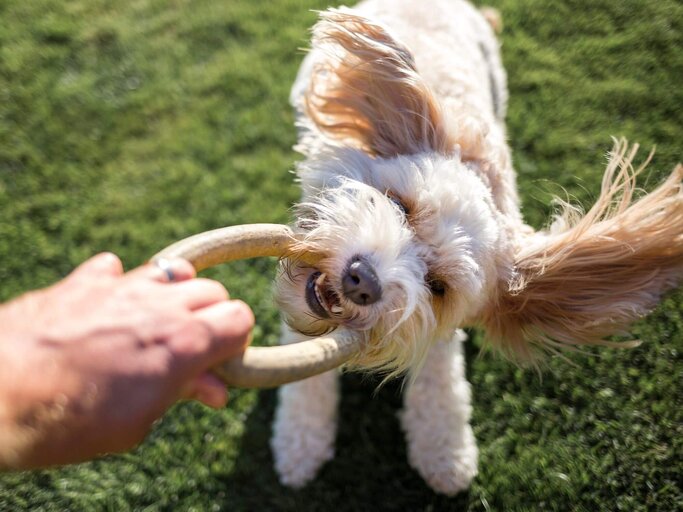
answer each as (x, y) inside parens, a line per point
(360, 283)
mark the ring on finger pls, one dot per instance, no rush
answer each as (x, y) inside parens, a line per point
(165, 266)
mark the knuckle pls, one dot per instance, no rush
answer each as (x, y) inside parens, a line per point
(138, 292)
(192, 337)
(161, 365)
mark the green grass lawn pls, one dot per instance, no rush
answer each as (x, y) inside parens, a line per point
(127, 125)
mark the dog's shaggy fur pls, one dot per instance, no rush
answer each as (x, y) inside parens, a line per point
(407, 169)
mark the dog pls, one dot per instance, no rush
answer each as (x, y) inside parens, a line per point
(409, 195)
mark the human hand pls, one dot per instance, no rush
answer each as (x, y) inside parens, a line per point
(91, 362)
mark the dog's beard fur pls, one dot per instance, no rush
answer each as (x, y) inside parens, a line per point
(378, 142)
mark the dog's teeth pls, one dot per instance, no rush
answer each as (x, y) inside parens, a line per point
(319, 296)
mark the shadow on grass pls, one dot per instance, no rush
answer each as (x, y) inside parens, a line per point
(370, 469)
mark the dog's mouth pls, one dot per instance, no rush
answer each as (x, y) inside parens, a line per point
(321, 298)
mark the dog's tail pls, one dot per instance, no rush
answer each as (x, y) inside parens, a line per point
(593, 275)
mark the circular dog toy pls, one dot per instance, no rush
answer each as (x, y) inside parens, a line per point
(263, 367)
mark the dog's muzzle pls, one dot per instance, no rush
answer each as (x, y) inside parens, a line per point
(263, 367)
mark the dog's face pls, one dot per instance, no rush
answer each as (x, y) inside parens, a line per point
(408, 246)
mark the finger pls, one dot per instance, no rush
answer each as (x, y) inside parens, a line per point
(209, 390)
(105, 263)
(198, 293)
(228, 331)
(164, 271)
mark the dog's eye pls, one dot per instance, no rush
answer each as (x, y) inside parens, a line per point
(398, 203)
(437, 287)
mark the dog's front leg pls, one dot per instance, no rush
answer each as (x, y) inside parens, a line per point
(305, 424)
(441, 445)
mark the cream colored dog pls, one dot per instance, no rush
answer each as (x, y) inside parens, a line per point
(409, 193)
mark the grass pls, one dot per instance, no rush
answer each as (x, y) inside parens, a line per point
(127, 125)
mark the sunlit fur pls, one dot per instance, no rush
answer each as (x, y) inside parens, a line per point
(400, 109)
(592, 275)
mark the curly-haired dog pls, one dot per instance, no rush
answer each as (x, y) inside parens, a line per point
(409, 193)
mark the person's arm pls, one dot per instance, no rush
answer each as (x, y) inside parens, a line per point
(88, 364)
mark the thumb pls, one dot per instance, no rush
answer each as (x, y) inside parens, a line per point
(105, 263)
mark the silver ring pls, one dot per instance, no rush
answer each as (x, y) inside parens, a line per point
(165, 266)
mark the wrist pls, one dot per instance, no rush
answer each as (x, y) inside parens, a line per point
(15, 437)
(32, 427)
(26, 385)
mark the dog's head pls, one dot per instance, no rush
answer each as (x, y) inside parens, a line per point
(408, 232)
(414, 243)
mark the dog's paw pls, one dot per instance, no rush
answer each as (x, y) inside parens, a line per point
(446, 468)
(300, 450)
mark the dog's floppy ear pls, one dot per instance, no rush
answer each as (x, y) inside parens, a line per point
(367, 92)
(599, 273)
